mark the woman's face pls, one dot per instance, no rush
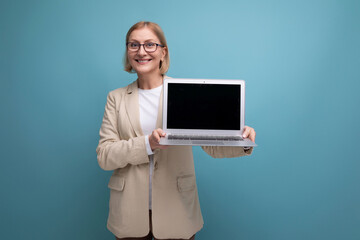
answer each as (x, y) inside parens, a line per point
(141, 61)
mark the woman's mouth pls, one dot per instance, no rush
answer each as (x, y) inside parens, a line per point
(143, 61)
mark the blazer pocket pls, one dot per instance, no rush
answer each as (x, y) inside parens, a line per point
(117, 183)
(186, 183)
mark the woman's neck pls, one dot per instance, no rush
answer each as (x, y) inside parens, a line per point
(150, 81)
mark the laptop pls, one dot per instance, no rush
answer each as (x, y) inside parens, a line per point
(204, 112)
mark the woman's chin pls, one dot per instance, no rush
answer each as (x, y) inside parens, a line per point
(144, 70)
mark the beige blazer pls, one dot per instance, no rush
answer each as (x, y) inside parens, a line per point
(175, 205)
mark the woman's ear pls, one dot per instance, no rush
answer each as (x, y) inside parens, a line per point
(164, 52)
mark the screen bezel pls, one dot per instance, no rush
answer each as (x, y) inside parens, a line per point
(204, 131)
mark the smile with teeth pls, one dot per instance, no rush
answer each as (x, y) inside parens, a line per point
(143, 60)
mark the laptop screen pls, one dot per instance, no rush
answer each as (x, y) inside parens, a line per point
(203, 106)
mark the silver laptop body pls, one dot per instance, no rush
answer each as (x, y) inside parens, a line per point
(204, 112)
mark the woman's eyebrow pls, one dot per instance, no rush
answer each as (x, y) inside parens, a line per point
(148, 40)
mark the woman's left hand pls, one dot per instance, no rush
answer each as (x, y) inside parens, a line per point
(249, 132)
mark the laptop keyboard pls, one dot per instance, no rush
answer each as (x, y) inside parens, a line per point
(205, 137)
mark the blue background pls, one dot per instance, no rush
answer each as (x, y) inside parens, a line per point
(300, 59)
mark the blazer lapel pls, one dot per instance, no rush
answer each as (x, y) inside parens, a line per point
(159, 115)
(132, 107)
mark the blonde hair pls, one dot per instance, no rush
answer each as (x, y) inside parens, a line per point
(164, 65)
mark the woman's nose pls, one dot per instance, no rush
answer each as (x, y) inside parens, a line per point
(142, 51)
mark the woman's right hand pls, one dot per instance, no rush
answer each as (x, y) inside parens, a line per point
(154, 139)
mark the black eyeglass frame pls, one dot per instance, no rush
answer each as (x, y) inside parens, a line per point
(157, 45)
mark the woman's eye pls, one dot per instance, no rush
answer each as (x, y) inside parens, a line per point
(134, 45)
(150, 44)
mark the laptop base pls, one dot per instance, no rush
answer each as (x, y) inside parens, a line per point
(243, 143)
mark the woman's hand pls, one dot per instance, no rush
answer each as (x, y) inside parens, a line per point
(154, 139)
(249, 132)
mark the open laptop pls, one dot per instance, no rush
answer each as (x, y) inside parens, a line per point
(204, 112)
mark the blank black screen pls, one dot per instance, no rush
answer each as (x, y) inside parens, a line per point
(203, 106)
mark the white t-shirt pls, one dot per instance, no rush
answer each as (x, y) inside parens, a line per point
(149, 100)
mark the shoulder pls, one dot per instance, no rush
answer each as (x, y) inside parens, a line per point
(120, 92)
(117, 92)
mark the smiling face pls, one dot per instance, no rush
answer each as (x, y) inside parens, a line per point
(141, 61)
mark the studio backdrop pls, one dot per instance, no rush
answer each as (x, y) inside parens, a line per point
(300, 61)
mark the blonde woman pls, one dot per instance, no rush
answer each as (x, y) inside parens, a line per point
(153, 191)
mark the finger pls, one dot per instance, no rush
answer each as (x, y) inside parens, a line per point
(161, 132)
(252, 135)
(156, 136)
(246, 132)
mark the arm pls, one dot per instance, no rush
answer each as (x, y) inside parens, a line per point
(113, 152)
(230, 152)
(226, 152)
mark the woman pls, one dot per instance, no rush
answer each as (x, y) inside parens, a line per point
(153, 187)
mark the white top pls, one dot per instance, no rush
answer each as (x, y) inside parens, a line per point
(149, 100)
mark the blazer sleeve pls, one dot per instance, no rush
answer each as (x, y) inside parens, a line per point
(226, 152)
(113, 152)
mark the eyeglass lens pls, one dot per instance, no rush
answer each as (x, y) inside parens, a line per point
(149, 47)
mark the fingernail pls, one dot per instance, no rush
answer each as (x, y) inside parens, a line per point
(243, 135)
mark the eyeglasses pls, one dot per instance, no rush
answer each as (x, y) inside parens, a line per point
(148, 47)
